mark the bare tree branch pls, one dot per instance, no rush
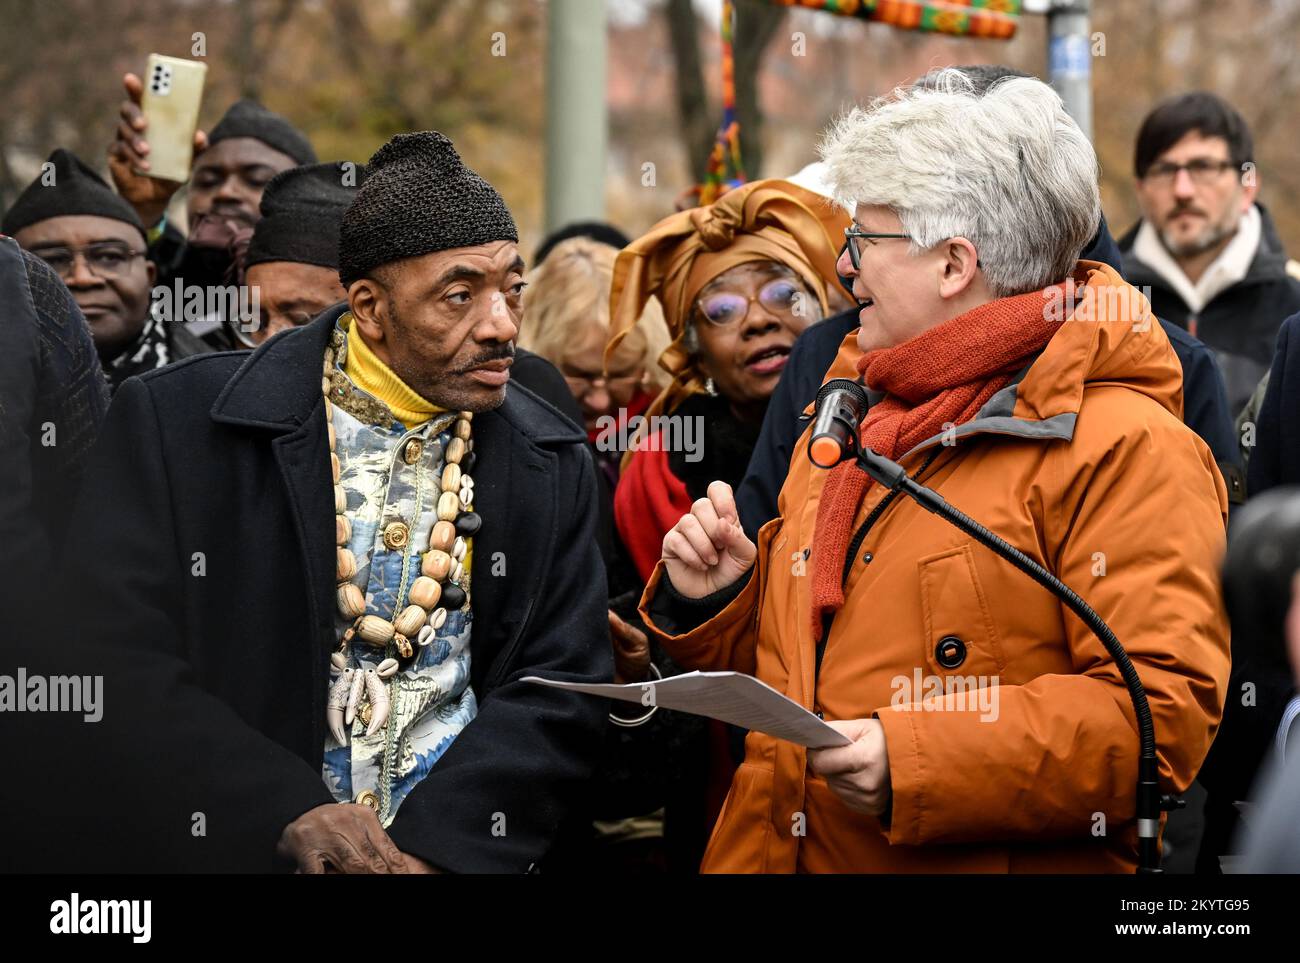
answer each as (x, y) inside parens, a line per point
(756, 25)
(697, 121)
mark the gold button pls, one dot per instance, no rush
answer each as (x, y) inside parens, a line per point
(396, 535)
(369, 799)
(414, 448)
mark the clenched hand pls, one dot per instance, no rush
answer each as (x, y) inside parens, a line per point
(707, 550)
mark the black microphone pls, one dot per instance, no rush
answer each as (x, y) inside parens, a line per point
(841, 406)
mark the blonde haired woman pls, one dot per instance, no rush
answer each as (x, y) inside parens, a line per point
(566, 321)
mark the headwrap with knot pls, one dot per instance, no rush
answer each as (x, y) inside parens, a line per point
(770, 220)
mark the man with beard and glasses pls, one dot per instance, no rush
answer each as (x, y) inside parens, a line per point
(321, 647)
(233, 163)
(1205, 249)
(95, 242)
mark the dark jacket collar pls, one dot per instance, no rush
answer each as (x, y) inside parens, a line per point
(279, 385)
(1103, 248)
(1269, 263)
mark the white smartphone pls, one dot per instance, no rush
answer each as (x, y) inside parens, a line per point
(173, 92)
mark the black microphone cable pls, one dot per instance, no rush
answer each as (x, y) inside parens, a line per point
(1150, 801)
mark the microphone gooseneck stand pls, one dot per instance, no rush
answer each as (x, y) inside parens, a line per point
(1150, 801)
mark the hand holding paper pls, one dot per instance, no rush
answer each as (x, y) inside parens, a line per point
(858, 773)
(730, 697)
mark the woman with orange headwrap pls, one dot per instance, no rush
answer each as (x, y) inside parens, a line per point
(738, 281)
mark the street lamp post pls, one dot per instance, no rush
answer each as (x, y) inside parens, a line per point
(575, 111)
(1069, 56)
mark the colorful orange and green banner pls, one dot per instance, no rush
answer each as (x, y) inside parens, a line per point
(987, 19)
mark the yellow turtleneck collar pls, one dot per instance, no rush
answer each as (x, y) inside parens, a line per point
(364, 368)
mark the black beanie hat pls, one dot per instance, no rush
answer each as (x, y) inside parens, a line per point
(247, 118)
(598, 231)
(302, 210)
(76, 190)
(418, 198)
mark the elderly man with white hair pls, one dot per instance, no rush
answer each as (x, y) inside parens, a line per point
(990, 731)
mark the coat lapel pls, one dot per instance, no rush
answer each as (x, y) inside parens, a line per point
(278, 391)
(303, 458)
(515, 492)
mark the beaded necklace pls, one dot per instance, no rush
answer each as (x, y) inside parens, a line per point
(437, 590)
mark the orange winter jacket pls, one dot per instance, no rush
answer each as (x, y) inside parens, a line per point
(1084, 464)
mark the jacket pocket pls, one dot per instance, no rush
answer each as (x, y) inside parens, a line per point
(740, 837)
(959, 635)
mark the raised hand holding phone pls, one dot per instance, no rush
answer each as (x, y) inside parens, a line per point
(157, 134)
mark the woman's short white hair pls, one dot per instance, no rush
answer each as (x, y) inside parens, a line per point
(1007, 169)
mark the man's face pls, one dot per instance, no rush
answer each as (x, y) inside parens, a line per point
(102, 262)
(445, 323)
(229, 177)
(291, 294)
(1194, 213)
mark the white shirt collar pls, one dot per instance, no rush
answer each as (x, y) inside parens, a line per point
(1232, 264)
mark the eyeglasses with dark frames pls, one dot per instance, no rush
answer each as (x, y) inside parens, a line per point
(581, 385)
(855, 255)
(105, 260)
(1202, 170)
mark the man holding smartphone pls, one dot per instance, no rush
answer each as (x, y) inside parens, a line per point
(232, 166)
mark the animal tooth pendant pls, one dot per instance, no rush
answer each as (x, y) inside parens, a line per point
(354, 696)
(337, 702)
(377, 693)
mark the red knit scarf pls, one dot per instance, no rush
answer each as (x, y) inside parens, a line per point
(939, 378)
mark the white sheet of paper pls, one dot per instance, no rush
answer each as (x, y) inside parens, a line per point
(731, 697)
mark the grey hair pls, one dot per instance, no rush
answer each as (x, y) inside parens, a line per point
(1007, 168)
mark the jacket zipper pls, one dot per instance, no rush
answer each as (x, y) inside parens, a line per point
(855, 546)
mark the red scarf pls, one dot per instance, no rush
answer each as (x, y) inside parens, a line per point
(942, 376)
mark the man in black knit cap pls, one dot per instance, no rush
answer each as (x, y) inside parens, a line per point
(95, 242)
(233, 163)
(292, 262)
(320, 645)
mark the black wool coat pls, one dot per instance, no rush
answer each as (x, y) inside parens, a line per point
(1240, 323)
(203, 560)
